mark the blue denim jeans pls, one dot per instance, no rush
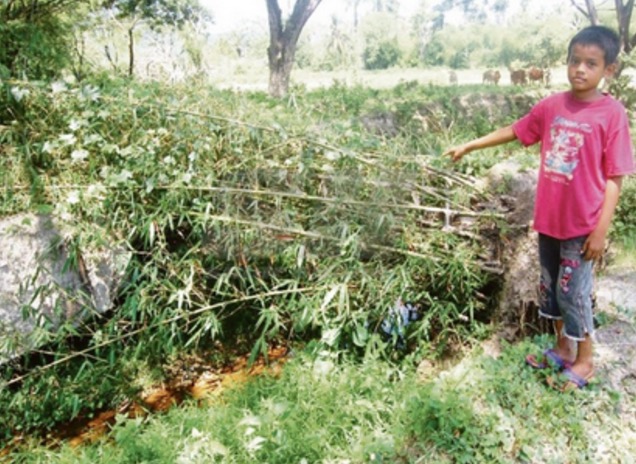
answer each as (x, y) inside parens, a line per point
(566, 285)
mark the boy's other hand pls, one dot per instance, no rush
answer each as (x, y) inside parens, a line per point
(594, 246)
(456, 153)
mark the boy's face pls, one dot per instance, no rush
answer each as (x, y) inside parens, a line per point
(586, 68)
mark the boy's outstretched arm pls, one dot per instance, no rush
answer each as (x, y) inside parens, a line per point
(594, 246)
(497, 137)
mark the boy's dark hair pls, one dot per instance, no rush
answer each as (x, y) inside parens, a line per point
(603, 37)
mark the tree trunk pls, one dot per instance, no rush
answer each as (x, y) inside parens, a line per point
(624, 17)
(589, 11)
(283, 42)
(592, 10)
(356, 19)
(281, 61)
(131, 51)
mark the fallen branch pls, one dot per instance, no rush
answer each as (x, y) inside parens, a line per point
(86, 351)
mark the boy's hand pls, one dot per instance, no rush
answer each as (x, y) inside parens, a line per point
(456, 153)
(497, 137)
(594, 246)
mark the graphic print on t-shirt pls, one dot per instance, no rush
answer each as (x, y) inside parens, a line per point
(566, 140)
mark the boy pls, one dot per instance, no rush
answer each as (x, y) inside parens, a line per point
(586, 149)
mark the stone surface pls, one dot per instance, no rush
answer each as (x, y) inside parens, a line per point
(41, 288)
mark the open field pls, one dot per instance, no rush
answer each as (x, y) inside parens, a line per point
(254, 76)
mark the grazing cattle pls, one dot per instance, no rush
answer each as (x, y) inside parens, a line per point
(536, 75)
(518, 77)
(452, 77)
(491, 77)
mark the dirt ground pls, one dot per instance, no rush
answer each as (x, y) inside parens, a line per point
(616, 339)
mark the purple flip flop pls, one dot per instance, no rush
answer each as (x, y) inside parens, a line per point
(550, 355)
(569, 380)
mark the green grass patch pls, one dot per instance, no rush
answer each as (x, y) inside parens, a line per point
(326, 407)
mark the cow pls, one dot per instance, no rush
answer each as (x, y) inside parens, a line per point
(452, 77)
(518, 77)
(491, 77)
(536, 75)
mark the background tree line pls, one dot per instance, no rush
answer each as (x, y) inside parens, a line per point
(44, 38)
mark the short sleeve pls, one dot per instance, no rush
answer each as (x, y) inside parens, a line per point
(618, 159)
(529, 128)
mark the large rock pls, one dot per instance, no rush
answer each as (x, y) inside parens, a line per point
(45, 281)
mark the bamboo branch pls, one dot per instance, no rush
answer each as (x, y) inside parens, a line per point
(317, 236)
(456, 177)
(86, 351)
(313, 235)
(298, 196)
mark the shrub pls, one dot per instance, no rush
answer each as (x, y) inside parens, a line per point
(624, 223)
(381, 54)
(34, 50)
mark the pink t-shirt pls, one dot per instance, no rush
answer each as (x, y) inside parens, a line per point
(582, 145)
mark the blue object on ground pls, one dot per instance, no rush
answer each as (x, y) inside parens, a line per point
(398, 318)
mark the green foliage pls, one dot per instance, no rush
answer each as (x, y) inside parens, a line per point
(279, 226)
(624, 222)
(451, 424)
(381, 47)
(482, 410)
(460, 59)
(538, 42)
(433, 54)
(34, 49)
(381, 54)
(621, 85)
(158, 13)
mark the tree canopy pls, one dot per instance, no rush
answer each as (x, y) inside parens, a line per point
(156, 13)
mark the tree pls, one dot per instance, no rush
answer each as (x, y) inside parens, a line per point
(156, 13)
(624, 10)
(35, 37)
(31, 10)
(283, 41)
(473, 10)
(355, 4)
(340, 49)
(589, 11)
(381, 46)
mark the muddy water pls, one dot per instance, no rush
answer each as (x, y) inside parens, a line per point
(205, 386)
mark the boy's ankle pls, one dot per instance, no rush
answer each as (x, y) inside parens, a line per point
(586, 364)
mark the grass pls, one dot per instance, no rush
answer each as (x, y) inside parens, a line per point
(623, 252)
(327, 408)
(622, 233)
(253, 74)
